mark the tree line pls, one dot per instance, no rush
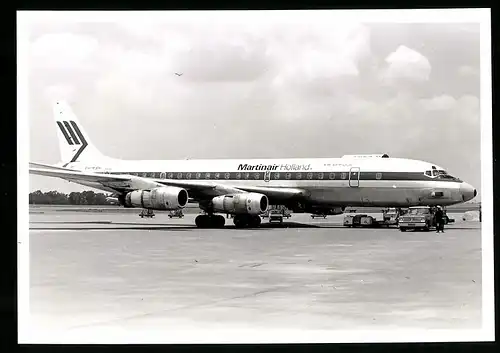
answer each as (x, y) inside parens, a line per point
(74, 198)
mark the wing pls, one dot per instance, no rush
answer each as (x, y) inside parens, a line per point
(197, 189)
(114, 183)
(201, 190)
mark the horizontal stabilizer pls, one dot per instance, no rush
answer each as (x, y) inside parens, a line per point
(47, 166)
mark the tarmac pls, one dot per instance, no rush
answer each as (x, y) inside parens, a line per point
(101, 270)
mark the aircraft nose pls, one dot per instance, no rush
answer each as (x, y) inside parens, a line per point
(468, 192)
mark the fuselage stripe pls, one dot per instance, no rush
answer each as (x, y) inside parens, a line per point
(294, 176)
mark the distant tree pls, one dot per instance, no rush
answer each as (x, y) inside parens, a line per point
(74, 198)
(100, 199)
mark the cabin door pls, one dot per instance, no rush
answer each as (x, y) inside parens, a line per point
(354, 177)
(267, 175)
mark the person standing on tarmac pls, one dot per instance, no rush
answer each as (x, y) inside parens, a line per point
(439, 220)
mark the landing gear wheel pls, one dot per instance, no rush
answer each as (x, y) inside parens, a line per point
(219, 221)
(245, 221)
(240, 221)
(210, 221)
(255, 221)
(201, 221)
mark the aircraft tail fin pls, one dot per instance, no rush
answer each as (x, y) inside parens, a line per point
(74, 143)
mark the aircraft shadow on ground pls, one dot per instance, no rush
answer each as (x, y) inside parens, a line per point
(229, 225)
(163, 226)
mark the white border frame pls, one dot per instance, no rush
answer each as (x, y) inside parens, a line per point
(487, 333)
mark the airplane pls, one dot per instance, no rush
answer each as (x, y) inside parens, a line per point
(245, 188)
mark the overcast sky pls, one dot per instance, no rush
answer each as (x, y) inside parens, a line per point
(259, 86)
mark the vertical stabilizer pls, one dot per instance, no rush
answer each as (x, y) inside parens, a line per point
(74, 143)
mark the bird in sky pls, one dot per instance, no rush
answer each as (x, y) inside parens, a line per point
(179, 74)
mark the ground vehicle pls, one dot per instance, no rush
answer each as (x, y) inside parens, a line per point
(421, 217)
(276, 212)
(386, 217)
(147, 213)
(353, 220)
(275, 215)
(176, 213)
(318, 215)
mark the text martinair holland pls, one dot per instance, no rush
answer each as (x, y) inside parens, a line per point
(274, 166)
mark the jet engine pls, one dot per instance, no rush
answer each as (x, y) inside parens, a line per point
(163, 198)
(245, 203)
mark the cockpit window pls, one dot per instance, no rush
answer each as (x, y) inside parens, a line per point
(440, 174)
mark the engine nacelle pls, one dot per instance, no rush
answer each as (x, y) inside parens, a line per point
(163, 198)
(247, 203)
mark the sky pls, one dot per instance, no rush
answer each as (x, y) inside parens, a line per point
(258, 85)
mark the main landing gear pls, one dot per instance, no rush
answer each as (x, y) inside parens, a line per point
(218, 221)
(246, 221)
(210, 221)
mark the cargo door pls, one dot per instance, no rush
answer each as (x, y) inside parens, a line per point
(354, 177)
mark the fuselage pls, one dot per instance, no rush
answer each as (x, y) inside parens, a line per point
(329, 182)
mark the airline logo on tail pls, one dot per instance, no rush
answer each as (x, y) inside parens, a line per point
(73, 136)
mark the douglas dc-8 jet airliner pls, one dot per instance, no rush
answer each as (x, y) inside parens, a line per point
(246, 188)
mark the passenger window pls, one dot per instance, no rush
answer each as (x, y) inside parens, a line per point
(332, 176)
(320, 176)
(226, 175)
(188, 176)
(276, 176)
(309, 176)
(198, 175)
(217, 175)
(179, 175)
(299, 176)
(378, 176)
(342, 175)
(162, 175)
(238, 175)
(289, 176)
(256, 176)
(207, 175)
(170, 175)
(247, 175)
